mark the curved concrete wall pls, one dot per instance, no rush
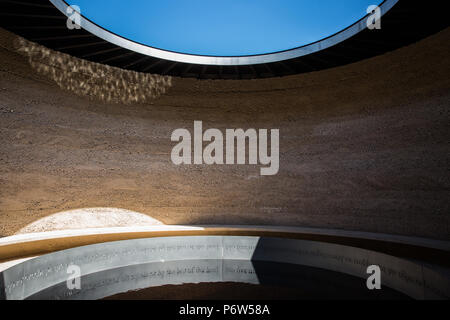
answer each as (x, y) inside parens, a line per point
(363, 147)
(116, 267)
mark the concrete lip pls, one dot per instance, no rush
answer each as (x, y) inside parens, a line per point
(176, 255)
(34, 244)
(223, 60)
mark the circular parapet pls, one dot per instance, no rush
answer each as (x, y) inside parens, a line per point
(116, 267)
(217, 60)
(44, 22)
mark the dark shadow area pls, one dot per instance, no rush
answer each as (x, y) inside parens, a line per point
(2, 287)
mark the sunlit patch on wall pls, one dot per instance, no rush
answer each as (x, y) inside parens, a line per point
(90, 218)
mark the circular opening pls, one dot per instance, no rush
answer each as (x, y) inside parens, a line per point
(231, 28)
(277, 281)
(188, 34)
(151, 267)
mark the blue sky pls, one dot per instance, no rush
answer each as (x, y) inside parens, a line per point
(224, 28)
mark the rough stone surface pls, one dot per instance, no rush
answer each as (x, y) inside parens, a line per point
(363, 147)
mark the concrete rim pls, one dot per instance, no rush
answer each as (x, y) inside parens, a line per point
(120, 266)
(328, 42)
(35, 244)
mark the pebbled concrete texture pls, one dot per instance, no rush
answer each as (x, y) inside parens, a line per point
(363, 147)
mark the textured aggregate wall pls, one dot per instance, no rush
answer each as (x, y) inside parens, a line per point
(362, 147)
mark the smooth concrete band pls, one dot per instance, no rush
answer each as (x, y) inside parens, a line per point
(141, 263)
(29, 245)
(224, 61)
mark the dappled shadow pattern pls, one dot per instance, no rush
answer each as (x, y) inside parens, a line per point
(94, 80)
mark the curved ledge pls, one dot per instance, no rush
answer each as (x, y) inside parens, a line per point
(224, 61)
(116, 267)
(28, 245)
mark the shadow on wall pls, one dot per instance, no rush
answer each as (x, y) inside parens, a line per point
(94, 80)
